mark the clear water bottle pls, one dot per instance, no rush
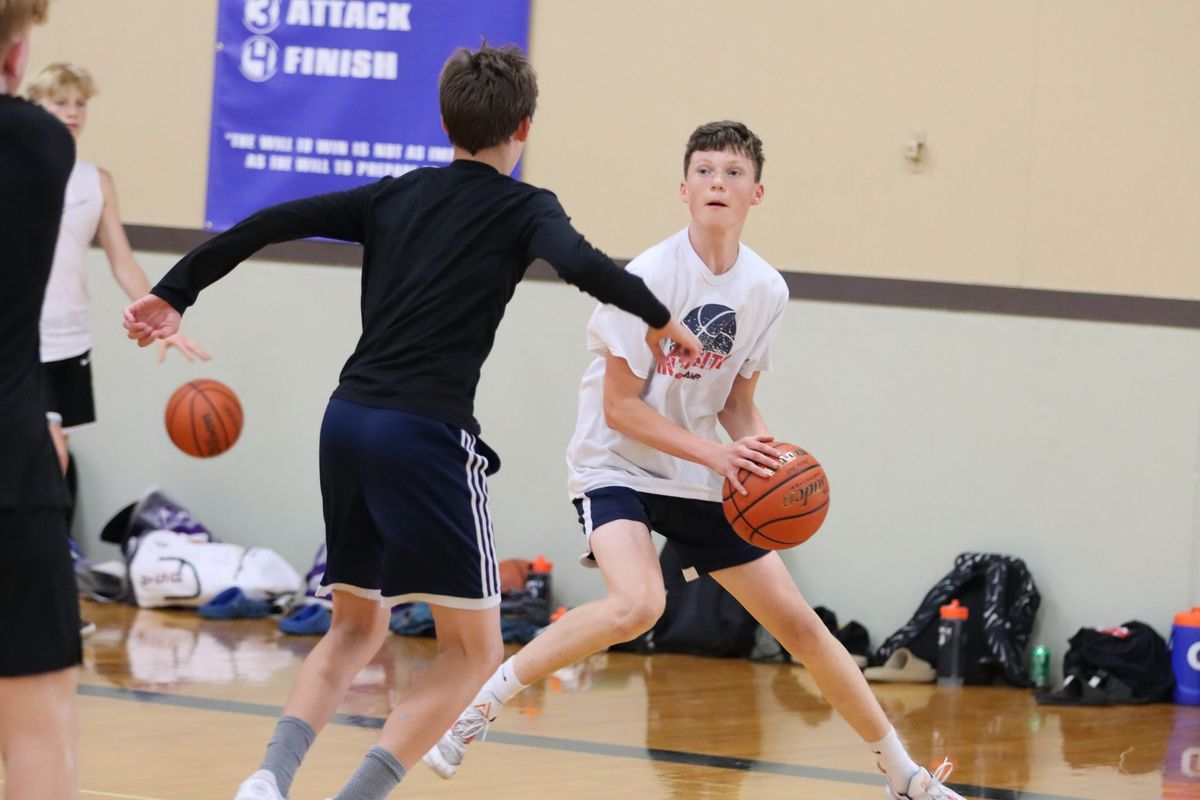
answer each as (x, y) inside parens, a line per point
(952, 633)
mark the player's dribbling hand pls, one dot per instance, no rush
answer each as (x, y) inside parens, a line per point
(685, 347)
(150, 318)
(753, 453)
(190, 350)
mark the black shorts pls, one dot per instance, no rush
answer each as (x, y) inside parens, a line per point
(698, 528)
(69, 391)
(406, 509)
(37, 593)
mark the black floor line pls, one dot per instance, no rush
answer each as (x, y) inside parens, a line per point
(568, 745)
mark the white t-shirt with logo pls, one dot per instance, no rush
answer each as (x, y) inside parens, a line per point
(735, 315)
(66, 323)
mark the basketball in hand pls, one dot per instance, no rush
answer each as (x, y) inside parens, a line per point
(783, 509)
(204, 418)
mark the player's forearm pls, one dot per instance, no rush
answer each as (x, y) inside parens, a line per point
(130, 277)
(587, 268)
(335, 216)
(608, 283)
(740, 421)
(632, 417)
(217, 257)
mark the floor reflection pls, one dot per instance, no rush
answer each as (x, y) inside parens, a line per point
(1181, 767)
(1101, 738)
(152, 649)
(678, 717)
(990, 743)
(161, 649)
(718, 713)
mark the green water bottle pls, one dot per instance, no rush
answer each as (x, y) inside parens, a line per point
(1039, 667)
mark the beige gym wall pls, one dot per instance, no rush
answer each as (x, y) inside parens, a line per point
(1058, 133)
(1058, 156)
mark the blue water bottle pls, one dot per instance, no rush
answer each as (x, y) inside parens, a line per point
(1185, 657)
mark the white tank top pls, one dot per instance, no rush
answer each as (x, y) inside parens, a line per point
(66, 325)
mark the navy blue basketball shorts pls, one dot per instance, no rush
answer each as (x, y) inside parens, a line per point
(37, 593)
(698, 528)
(406, 509)
(69, 399)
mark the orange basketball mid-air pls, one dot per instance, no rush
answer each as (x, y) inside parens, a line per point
(204, 418)
(783, 509)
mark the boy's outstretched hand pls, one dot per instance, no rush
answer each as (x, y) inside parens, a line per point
(685, 346)
(151, 318)
(190, 350)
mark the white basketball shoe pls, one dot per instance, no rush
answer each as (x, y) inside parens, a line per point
(446, 756)
(259, 786)
(927, 786)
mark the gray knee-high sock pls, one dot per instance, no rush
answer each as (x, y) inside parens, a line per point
(375, 777)
(291, 740)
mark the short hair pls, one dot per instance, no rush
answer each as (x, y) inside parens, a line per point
(58, 78)
(484, 94)
(729, 136)
(16, 14)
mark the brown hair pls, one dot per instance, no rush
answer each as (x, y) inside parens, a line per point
(58, 77)
(16, 14)
(729, 136)
(484, 94)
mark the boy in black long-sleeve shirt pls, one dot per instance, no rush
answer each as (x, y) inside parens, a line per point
(402, 467)
(40, 651)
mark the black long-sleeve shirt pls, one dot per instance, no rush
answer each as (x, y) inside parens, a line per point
(36, 157)
(443, 252)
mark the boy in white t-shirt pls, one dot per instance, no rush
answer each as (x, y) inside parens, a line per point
(90, 212)
(646, 455)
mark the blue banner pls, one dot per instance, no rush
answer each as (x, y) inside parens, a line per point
(316, 96)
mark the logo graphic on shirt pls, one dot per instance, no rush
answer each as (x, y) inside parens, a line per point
(715, 326)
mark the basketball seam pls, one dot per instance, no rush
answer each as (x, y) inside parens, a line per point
(758, 531)
(232, 398)
(217, 416)
(198, 449)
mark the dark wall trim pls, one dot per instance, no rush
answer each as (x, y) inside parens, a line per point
(1127, 309)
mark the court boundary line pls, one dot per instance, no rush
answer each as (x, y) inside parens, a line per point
(567, 745)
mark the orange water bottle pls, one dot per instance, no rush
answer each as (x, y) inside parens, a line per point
(537, 582)
(952, 634)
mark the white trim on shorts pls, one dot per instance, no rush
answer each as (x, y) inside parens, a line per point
(465, 603)
(55, 418)
(587, 559)
(489, 579)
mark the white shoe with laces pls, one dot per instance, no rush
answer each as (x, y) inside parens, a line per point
(926, 786)
(446, 756)
(259, 786)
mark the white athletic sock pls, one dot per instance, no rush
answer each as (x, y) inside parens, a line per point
(894, 760)
(500, 688)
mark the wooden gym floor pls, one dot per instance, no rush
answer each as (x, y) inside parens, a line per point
(174, 707)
